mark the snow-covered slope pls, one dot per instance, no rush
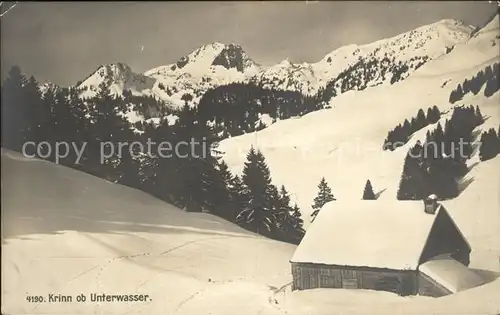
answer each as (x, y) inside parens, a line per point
(344, 143)
(83, 235)
(67, 232)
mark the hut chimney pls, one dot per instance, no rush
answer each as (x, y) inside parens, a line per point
(431, 204)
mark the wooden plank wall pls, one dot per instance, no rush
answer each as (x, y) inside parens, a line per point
(311, 276)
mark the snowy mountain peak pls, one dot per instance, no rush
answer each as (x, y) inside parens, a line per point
(233, 56)
(117, 77)
(203, 55)
(286, 63)
(215, 54)
(202, 60)
(209, 66)
(114, 70)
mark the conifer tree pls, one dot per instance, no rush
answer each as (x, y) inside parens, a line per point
(436, 113)
(129, 171)
(204, 186)
(477, 82)
(448, 136)
(14, 124)
(492, 86)
(436, 146)
(441, 178)
(291, 225)
(409, 127)
(430, 118)
(413, 184)
(78, 112)
(298, 223)
(238, 196)
(163, 177)
(433, 115)
(489, 145)
(282, 211)
(421, 120)
(218, 195)
(188, 177)
(467, 84)
(34, 111)
(108, 126)
(484, 149)
(257, 214)
(324, 195)
(456, 95)
(368, 193)
(489, 72)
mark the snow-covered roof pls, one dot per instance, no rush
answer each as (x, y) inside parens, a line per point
(366, 233)
(451, 274)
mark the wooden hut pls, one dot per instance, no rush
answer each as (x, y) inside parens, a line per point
(397, 246)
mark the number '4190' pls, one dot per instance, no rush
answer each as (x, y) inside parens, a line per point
(34, 298)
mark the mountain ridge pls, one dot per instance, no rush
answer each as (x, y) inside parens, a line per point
(217, 64)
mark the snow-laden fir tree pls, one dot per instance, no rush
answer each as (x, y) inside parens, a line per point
(238, 196)
(297, 215)
(324, 195)
(298, 224)
(218, 196)
(281, 209)
(227, 193)
(288, 219)
(257, 215)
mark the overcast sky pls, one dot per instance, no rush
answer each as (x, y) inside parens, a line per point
(64, 42)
